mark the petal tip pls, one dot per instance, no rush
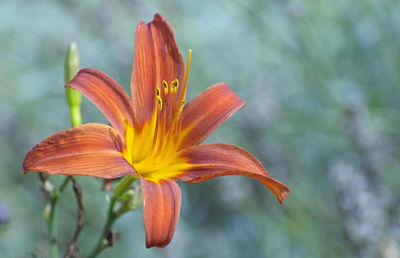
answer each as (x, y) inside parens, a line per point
(25, 169)
(141, 25)
(157, 16)
(25, 164)
(150, 245)
(284, 195)
(161, 207)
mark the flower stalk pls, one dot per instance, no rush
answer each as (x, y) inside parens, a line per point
(123, 185)
(128, 199)
(50, 212)
(52, 223)
(102, 243)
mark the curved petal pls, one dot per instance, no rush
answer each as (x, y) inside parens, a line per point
(157, 59)
(106, 94)
(212, 160)
(86, 150)
(161, 207)
(205, 113)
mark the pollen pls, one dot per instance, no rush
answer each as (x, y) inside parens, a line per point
(174, 86)
(159, 99)
(165, 85)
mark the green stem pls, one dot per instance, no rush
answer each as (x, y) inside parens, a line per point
(52, 223)
(75, 114)
(111, 217)
(65, 183)
(124, 185)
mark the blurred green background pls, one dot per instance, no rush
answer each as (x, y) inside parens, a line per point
(322, 82)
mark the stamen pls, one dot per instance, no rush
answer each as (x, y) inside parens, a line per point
(159, 98)
(165, 84)
(159, 102)
(174, 86)
(182, 104)
(187, 69)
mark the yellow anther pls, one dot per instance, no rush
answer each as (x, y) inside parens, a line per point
(165, 84)
(159, 102)
(158, 98)
(174, 86)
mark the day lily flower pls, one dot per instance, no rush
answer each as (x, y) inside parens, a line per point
(153, 136)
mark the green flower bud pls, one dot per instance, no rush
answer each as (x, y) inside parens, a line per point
(74, 97)
(125, 196)
(130, 200)
(46, 211)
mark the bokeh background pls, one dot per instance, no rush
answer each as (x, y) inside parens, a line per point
(322, 82)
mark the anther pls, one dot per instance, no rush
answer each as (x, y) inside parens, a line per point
(159, 102)
(174, 86)
(159, 99)
(165, 84)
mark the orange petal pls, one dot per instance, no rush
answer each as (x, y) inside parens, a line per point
(86, 150)
(157, 58)
(212, 160)
(106, 94)
(205, 113)
(161, 207)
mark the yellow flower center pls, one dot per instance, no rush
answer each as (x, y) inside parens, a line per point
(152, 149)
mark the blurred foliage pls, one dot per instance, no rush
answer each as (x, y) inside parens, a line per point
(322, 82)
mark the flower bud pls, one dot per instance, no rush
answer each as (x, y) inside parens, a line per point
(74, 97)
(130, 200)
(47, 211)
